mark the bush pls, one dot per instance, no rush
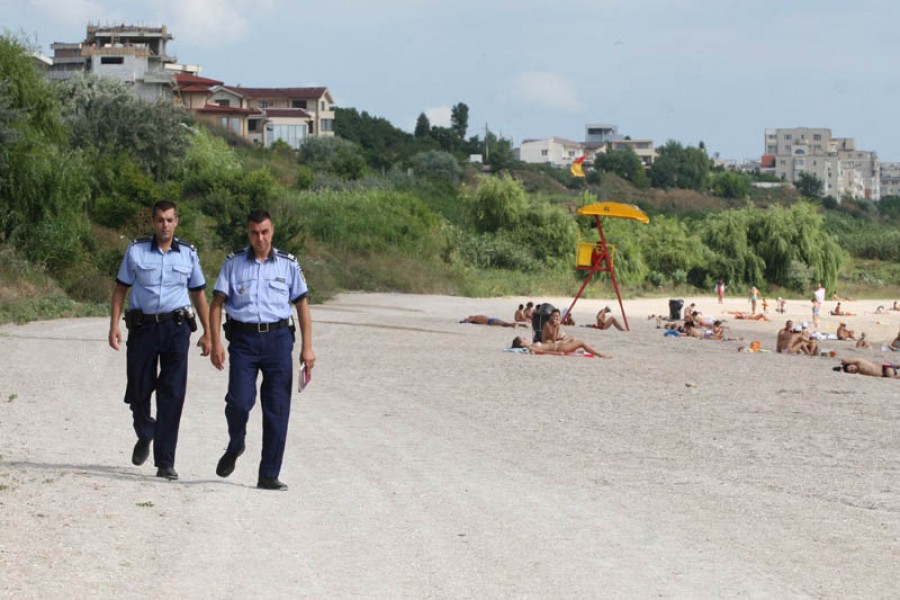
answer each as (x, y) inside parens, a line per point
(499, 203)
(437, 166)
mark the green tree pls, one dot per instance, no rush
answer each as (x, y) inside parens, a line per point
(809, 185)
(729, 184)
(623, 162)
(681, 167)
(104, 115)
(437, 166)
(382, 145)
(459, 119)
(498, 203)
(423, 126)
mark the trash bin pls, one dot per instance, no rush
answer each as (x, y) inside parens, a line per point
(539, 318)
(675, 306)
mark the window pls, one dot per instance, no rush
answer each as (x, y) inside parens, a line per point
(772, 136)
(292, 135)
(788, 137)
(545, 152)
(253, 125)
(787, 148)
(771, 149)
(112, 60)
(298, 103)
(817, 137)
(322, 106)
(263, 104)
(327, 125)
(223, 102)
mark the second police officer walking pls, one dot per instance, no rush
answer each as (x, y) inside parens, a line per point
(257, 287)
(162, 272)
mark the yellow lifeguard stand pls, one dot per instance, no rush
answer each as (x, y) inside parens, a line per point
(597, 257)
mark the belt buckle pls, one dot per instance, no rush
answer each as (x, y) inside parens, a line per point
(157, 318)
(262, 328)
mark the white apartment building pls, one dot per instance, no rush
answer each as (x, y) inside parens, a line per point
(598, 138)
(557, 151)
(843, 170)
(890, 179)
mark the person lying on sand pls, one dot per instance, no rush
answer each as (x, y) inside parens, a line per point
(863, 367)
(748, 317)
(494, 322)
(559, 348)
(895, 345)
(838, 311)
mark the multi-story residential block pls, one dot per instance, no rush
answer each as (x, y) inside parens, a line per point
(598, 138)
(890, 179)
(136, 55)
(843, 170)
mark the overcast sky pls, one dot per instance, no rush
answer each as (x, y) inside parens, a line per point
(717, 71)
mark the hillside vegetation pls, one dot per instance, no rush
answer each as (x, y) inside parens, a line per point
(378, 209)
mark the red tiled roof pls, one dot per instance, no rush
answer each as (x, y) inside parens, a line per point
(188, 79)
(290, 93)
(234, 110)
(298, 113)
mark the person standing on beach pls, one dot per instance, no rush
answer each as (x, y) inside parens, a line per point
(720, 290)
(818, 301)
(753, 297)
(257, 287)
(162, 272)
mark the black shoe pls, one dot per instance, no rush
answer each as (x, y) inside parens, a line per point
(271, 483)
(141, 452)
(167, 472)
(226, 463)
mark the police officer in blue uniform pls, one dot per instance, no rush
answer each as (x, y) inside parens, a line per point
(257, 287)
(162, 272)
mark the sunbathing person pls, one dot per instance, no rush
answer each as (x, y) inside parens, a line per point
(862, 342)
(845, 334)
(784, 339)
(808, 346)
(716, 333)
(838, 311)
(552, 331)
(494, 322)
(605, 321)
(748, 317)
(895, 345)
(864, 367)
(519, 316)
(559, 348)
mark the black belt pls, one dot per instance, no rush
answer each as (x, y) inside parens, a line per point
(257, 327)
(161, 317)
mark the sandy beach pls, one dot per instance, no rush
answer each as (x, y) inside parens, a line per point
(425, 461)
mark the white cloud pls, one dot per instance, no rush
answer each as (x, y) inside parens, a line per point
(547, 90)
(439, 115)
(69, 11)
(215, 22)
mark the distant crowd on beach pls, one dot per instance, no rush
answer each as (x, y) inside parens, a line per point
(546, 322)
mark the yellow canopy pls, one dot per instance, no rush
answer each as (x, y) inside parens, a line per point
(616, 210)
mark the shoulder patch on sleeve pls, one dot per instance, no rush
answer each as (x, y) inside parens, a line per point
(139, 240)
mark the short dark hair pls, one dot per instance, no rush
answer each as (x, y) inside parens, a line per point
(517, 343)
(258, 216)
(162, 206)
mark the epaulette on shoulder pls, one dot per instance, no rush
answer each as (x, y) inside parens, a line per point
(147, 238)
(184, 243)
(236, 253)
(286, 255)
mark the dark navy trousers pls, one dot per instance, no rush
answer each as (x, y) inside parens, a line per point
(250, 353)
(157, 359)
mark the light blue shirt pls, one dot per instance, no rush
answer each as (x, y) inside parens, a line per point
(260, 291)
(160, 281)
